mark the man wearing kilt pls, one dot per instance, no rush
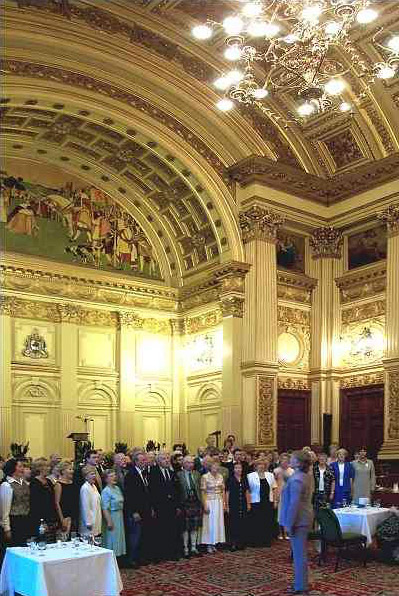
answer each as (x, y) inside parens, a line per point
(190, 503)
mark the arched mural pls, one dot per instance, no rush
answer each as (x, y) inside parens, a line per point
(55, 215)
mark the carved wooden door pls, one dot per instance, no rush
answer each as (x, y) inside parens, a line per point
(362, 418)
(293, 419)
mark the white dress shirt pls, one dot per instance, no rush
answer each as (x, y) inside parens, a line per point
(321, 481)
(341, 467)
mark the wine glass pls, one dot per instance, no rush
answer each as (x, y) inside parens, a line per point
(97, 541)
(344, 503)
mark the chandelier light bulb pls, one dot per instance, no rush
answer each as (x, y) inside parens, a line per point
(271, 29)
(222, 83)
(225, 104)
(334, 86)
(306, 109)
(386, 72)
(345, 106)
(257, 28)
(252, 9)
(234, 76)
(202, 32)
(333, 28)
(366, 16)
(260, 93)
(393, 44)
(233, 52)
(233, 25)
(311, 13)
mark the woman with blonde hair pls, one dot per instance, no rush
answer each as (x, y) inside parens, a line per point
(112, 507)
(90, 504)
(263, 494)
(42, 504)
(214, 505)
(66, 493)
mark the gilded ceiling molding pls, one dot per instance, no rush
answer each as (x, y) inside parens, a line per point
(390, 216)
(256, 169)
(289, 383)
(295, 287)
(365, 283)
(257, 223)
(123, 293)
(202, 71)
(74, 79)
(326, 243)
(363, 312)
(203, 322)
(362, 380)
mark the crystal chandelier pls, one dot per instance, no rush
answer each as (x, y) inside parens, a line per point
(296, 47)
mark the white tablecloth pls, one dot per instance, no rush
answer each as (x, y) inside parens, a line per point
(361, 521)
(60, 572)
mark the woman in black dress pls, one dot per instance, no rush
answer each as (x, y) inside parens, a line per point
(238, 505)
(263, 494)
(42, 505)
(66, 493)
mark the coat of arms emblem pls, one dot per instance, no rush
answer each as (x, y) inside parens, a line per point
(35, 346)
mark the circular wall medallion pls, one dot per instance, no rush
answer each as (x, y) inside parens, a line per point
(289, 348)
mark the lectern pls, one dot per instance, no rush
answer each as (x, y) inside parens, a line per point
(78, 438)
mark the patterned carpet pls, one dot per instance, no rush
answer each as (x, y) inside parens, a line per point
(259, 572)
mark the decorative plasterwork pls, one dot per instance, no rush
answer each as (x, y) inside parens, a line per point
(232, 306)
(293, 383)
(328, 191)
(203, 322)
(362, 380)
(364, 283)
(391, 217)
(295, 322)
(363, 312)
(123, 293)
(362, 343)
(326, 243)
(74, 79)
(295, 287)
(257, 223)
(393, 404)
(266, 410)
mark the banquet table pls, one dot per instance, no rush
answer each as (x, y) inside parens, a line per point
(361, 521)
(61, 571)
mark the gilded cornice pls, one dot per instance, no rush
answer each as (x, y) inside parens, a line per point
(295, 287)
(293, 383)
(362, 283)
(363, 312)
(203, 322)
(123, 293)
(256, 169)
(293, 316)
(362, 380)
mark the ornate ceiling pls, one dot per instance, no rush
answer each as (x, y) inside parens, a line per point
(120, 93)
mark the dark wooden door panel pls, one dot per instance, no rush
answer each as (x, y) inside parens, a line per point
(293, 419)
(362, 418)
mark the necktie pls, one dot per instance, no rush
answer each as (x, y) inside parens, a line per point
(167, 474)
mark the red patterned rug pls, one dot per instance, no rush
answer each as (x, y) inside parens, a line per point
(259, 572)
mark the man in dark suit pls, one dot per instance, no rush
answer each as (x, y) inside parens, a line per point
(138, 510)
(296, 516)
(165, 502)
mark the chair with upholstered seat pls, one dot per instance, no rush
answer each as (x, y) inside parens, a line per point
(332, 535)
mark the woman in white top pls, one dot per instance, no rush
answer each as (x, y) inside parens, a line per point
(214, 505)
(263, 495)
(90, 504)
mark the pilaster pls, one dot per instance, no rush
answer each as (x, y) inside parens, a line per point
(128, 323)
(259, 360)
(326, 264)
(69, 318)
(6, 426)
(390, 447)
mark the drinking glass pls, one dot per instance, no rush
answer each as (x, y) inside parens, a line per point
(31, 544)
(41, 545)
(97, 541)
(76, 544)
(344, 504)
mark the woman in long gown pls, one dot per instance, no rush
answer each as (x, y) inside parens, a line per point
(112, 507)
(364, 477)
(238, 505)
(263, 492)
(213, 500)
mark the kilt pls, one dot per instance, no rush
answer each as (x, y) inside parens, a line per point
(192, 509)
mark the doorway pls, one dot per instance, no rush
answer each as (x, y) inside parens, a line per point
(293, 419)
